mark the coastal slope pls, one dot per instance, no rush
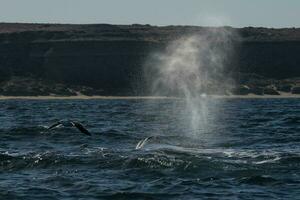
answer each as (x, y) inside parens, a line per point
(104, 59)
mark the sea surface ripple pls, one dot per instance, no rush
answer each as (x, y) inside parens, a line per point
(251, 150)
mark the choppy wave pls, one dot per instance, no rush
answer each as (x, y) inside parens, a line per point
(252, 151)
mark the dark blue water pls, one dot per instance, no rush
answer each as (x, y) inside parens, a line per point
(250, 149)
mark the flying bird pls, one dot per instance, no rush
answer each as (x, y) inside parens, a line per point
(142, 142)
(64, 123)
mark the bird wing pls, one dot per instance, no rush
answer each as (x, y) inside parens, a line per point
(54, 125)
(81, 128)
(139, 144)
(142, 142)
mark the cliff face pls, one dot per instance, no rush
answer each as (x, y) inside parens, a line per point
(110, 57)
(276, 59)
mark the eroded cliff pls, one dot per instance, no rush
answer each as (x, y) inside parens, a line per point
(110, 58)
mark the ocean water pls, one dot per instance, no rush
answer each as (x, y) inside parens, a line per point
(248, 149)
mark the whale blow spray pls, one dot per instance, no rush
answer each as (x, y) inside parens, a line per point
(192, 67)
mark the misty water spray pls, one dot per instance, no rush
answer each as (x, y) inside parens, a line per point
(193, 67)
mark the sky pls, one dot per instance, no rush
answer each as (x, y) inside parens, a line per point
(236, 13)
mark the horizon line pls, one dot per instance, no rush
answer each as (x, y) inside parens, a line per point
(151, 25)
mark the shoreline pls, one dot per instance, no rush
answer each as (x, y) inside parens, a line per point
(83, 97)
